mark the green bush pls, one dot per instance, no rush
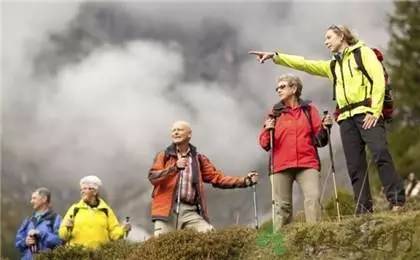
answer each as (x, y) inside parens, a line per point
(231, 243)
(385, 235)
(113, 250)
(380, 236)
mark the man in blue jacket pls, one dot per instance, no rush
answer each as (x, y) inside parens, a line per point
(40, 231)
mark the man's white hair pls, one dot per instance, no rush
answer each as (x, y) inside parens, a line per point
(92, 181)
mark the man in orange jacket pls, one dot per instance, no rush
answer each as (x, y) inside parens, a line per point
(181, 164)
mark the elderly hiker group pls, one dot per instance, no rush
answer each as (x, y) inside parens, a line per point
(291, 133)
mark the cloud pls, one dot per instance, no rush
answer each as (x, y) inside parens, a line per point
(93, 87)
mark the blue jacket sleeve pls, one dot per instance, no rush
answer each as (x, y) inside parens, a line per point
(51, 239)
(21, 236)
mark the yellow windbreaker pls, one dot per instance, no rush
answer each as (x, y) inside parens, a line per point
(92, 226)
(352, 86)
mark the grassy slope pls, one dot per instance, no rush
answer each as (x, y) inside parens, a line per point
(384, 235)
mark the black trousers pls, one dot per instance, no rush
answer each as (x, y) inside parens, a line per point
(354, 139)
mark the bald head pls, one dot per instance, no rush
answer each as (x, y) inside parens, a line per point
(183, 124)
(181, 132)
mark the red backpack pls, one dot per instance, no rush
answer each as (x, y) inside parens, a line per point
(388, 105)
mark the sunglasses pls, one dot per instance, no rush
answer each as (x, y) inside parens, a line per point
(281, 87)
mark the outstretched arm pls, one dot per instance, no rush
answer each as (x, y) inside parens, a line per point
(211, 175)
(314, 67)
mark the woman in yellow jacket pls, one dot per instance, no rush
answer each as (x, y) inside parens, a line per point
(91, 222)
(360, 103)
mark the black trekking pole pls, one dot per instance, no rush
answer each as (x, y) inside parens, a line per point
(329, 126)
(178, 199)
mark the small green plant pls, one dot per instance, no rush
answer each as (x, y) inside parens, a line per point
(274, 241)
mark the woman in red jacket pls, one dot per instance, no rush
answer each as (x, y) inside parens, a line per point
(298, 131)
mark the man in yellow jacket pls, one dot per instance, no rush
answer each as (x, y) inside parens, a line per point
(360, 102)
(91, 222)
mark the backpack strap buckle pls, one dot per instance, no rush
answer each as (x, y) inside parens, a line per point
(367, 103)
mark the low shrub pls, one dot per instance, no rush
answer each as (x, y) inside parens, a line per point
(231, 243)
(384, 235)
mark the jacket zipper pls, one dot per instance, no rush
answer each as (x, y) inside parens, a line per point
(174, 193)
(296, 145)
(363, 84)
(351, 72)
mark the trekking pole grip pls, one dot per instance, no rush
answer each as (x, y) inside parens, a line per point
(327, 125)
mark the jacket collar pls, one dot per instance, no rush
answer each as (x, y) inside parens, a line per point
(171, 150)
(348, 50)
(102, 204)
(280, 108)
(44, 214)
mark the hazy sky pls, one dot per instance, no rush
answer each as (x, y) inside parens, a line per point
(93, 88)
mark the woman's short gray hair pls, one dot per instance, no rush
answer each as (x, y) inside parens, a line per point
(292, 80)
(91, 181)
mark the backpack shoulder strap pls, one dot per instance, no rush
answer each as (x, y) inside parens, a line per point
(104, 210)
(307, 112)
(332, 68)
(75, 211)
(358, 58)
(277, 110)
